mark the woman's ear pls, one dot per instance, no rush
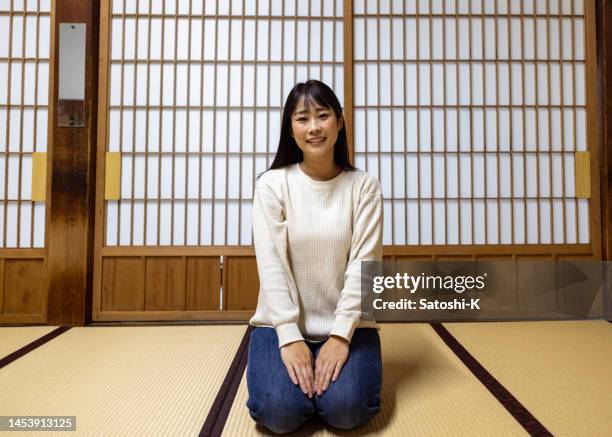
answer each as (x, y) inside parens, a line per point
(340, 122)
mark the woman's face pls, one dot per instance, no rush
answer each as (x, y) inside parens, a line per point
(315, 130)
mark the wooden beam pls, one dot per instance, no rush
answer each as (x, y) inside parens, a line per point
(388, 250)
(348, 77)
(70, 226)
(604, 50)
(593, 121)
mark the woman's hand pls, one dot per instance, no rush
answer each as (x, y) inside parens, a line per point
(332, 356)
(297, 358)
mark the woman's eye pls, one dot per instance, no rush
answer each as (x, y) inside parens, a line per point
(324, 115)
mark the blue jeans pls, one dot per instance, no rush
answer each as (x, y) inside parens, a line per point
(279, 405)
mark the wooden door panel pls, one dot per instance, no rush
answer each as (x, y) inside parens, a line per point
(242, 283)
(24, 286)
(123, 284)
(203, 283)
(165, 284)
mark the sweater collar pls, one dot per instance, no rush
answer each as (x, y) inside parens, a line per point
(314, 183)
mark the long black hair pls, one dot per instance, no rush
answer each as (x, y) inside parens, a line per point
(312, 91)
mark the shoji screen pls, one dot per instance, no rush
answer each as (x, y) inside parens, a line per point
(24, 89)
(194, 107)
(471, 113)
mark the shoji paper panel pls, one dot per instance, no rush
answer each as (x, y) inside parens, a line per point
(196, 94)
(470, 113)
(24, 90)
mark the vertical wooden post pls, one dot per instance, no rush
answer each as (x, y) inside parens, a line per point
(71, 173)
(594, 122)
(347, 25)
(604, 50)
(604, 60)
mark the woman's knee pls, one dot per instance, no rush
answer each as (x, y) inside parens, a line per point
(281, 414)
(347, 410)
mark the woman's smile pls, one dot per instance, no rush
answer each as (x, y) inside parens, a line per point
(317, 140)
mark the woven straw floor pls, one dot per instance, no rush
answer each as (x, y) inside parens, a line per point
(560, 371)
(165, 380)
(123, 381)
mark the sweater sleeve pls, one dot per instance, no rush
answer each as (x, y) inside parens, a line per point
(366, 245)
(269, 233)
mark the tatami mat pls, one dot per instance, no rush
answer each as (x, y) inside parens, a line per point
(427, 391)
(124, 381)
(13, 338)
(560, 371)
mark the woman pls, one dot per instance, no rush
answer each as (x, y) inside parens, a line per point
(315, 219)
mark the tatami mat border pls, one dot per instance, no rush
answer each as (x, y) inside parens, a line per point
(217, 416)
(33, 345)
(527, 420)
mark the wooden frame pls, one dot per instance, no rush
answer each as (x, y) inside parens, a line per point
(101, 251)
(104, 49)
(592, 250)
(604, 95)
(442, 62)
(42, 254)
(593, 127)
(349, 109)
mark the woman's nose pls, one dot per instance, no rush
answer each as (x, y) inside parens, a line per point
(314, 126)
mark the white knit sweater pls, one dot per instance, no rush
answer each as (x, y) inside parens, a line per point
(310, 237)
